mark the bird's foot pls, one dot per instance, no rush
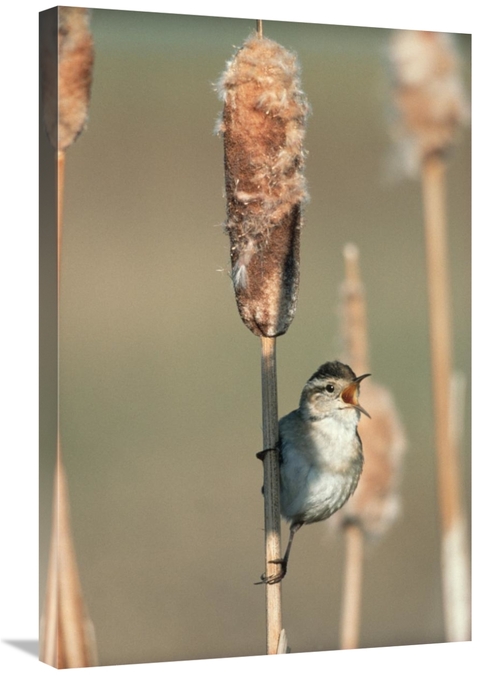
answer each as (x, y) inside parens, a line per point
(260, 455)
(273, 578)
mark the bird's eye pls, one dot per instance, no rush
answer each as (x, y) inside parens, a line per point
(330, 388)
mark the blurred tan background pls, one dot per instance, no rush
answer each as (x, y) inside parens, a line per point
(160, 380)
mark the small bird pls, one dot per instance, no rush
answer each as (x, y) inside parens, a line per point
(320, 451)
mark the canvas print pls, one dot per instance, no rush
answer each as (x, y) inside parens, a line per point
(254, 337)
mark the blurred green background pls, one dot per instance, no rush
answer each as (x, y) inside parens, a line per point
(160, 380)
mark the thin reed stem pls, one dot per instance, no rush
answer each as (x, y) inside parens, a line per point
(457, 592)
(433, 175)
(454, 563)
(61, 163)
(272, 521)
(260, 31)
(356, 335)
(67, 635)
(353, 581)
(354, 314)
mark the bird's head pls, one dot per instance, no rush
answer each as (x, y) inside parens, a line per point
(332, 388)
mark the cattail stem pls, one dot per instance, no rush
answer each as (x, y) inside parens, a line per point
(354, 313)
(454, 563)
(67, 634)
(272, 521)
(356, 336)
(61, 161)
(455, 546)
(260, 31)
(353, 580)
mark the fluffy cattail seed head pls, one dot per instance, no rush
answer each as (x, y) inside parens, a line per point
(263, 126)
(67, 57)
(428, 94)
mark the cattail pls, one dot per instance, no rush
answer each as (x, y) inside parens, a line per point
(67, 57)
(429, 96)
(66, 62)
(263, 126)
(376, 501)
(375, 504)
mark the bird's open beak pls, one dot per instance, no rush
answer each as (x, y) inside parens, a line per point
(350, 394)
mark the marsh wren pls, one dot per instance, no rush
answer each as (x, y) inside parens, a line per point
(320, 451)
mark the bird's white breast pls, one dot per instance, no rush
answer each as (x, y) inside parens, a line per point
(333, 442)
(320, 461)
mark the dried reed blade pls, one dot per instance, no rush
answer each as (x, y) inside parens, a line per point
(283, 647)
(431, 102)
(67, 637)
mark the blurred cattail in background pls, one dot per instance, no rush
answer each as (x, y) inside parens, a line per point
(431, 106)
(375, 504)
(66, 58)
(66, 61)
(263, 126)
(428, 95)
